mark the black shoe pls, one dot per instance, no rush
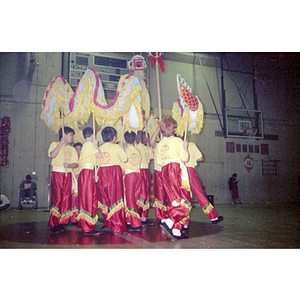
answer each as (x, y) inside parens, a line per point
(129, 227)
(184, 229)
(93, 232)
(147, 223)
(61, 228)
(55, 229)
(169, 233)
(220, 218)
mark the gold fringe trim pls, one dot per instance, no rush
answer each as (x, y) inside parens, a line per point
(85, 217)
(103, 209)
(115, 209)
(159, 205)
(185, 204)
(66, 216)
(61, 217)
(55, 213)
(183, 221)
(146, 206)
(140, 203)
(132, 213)
(207, 209)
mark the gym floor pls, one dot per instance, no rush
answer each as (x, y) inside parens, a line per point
(246, 226)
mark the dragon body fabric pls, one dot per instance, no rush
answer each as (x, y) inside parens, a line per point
(187, 106)
(132, 97)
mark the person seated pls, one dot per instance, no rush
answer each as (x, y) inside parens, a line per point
(27, 188)
(4, 203)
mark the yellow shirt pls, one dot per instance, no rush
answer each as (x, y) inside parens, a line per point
(134, 160)
(195, 154)
(170, 148)
(70, 157)
(112, 154)
(78, 169)
(157, 167)
(146, 153)
(88, 152)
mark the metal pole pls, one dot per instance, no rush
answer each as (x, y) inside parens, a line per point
(223, 100)
(255, 102)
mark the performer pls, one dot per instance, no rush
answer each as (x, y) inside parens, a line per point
(196, 187)
(133, 183)
(75, 173)
(172, 154)
(87, 194)
(110, 183)
(142, 142)
(64, 158)
(160, 196)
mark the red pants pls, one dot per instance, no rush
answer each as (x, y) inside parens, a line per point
(111, 204)
(134, 194)
(87, 200)
(61, 188)
(147, 181)
(180, 209)
(235, 193)
(161, 206)
(74, 207)
(197, 190)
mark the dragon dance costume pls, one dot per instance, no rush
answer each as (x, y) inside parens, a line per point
(134, 187)
(61, 185)
(87, 194)
(171, 153)
(110, 187)
(161, 206)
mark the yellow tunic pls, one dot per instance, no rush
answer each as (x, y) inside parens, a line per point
(157, 167)
(69, 155)
(88, 152)
(146, 153)
(170, 148)
(195, 154)
(112, 154)
(134, 160)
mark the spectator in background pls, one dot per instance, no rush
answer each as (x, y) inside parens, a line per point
(27, 187)
(233, 188)
(4, 203)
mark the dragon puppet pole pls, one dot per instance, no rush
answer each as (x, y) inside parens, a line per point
(146, 133)
(185, 133)
(123, 128)
(187, 121)
(93, 117)
(62, 134)
(158, 90)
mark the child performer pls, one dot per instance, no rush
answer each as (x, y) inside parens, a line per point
(196, 187)
(110, 183)
(133, 183)
(64, 158)
(142, 142)
(87, 194)
(161, 206)
(171, 155)
(75, 173)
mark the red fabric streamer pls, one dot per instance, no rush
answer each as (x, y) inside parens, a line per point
(4, 132)
(156, 56)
